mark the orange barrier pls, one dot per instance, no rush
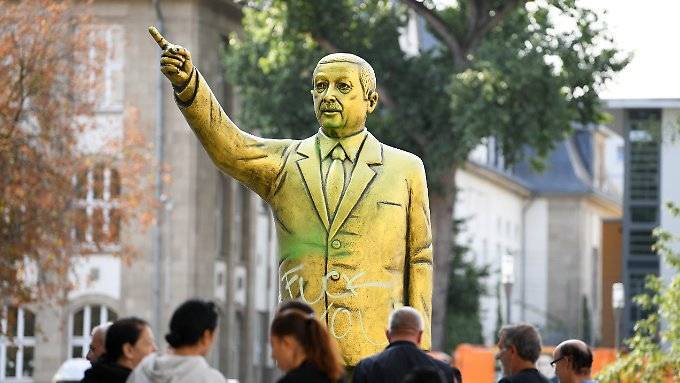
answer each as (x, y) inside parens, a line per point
(601, 358)
(477, 363)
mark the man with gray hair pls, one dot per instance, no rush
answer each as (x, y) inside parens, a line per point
(97, 342)
(402, 355)
(519, 347)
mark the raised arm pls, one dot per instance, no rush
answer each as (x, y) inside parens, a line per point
(254, 161)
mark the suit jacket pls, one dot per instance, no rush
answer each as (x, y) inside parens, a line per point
(530, 375)
(398, 359)
(374, 256)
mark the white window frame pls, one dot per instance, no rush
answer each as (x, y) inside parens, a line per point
(83, 340)
(20, 341)
(107, 204)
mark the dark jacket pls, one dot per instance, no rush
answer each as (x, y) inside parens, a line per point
(106, 372)
(530, 375)
(397, 360)
(306, 373)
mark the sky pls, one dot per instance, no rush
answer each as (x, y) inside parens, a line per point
(649, 29)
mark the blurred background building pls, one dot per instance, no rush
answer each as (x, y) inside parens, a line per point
(650, 129)
(549, 223)
(216, 240)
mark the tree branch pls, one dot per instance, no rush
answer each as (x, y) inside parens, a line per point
(486, 22)
(441, 29)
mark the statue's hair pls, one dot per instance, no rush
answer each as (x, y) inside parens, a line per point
(366, 73)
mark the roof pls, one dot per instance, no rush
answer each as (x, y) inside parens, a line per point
(569, 168)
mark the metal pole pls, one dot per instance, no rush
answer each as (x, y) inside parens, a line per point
(617, 328)
(508, 300)
(618, 304)
(157, 233)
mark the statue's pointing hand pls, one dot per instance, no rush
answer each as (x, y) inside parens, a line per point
(175, 60)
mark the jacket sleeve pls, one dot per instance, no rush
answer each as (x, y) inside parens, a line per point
(359, 373)
(419, 252)
(254, 161)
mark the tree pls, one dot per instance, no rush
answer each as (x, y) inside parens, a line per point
(463, 323)
(49, 70)
(654, 348)
(497, 69)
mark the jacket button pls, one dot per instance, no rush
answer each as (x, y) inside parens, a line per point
(335, 244)
(335, 276)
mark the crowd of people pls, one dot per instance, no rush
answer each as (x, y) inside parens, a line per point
(126, 351)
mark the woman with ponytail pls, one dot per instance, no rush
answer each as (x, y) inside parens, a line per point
(303, 349)
(191, 336)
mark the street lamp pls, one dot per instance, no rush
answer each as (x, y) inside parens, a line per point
(618, 303)
(508, 279)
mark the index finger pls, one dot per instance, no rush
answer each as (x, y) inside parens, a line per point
(160, 40)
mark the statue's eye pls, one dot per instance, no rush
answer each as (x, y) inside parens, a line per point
(344, 87)
(321, 86)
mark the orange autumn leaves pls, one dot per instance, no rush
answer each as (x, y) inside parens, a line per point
(58, 201)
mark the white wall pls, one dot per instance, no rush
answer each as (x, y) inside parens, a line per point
(670, 177)
(96, 274)
(492, 228)
(535, 292)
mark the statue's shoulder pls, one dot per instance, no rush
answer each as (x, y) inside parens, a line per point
(391, 153)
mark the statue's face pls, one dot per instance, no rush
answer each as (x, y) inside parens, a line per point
(339, 102)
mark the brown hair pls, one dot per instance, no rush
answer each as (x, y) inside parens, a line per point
(319, 348)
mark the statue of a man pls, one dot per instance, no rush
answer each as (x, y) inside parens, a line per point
(352, 214)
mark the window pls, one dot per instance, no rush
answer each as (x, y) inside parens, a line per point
(81, 324)
(98, 216)
(645, 125)
(641, 242)
(17, 345)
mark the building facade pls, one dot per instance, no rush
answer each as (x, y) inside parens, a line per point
(549, 224)
(650, 128)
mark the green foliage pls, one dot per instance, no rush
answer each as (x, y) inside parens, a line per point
(586, 321)
(654, 354)
(524, 82)
(463, 324)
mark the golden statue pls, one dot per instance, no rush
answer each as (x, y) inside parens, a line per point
(352, 214)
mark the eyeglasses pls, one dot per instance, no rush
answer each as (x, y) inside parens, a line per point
(554, 362)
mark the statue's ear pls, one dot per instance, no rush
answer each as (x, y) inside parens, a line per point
(372, 101)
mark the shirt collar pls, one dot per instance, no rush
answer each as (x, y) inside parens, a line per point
(350, 144)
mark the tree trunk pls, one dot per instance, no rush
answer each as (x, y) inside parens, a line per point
(442, 202)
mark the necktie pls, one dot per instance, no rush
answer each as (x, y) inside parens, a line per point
(335, 180)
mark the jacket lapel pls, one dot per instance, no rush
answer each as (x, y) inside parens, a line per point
(310, 168)
(370, 154)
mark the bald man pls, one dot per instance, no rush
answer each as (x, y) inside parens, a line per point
(403, 355)
(97, 343)
(572, 360)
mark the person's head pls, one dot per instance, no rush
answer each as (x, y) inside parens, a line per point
(192, 327)
(519, 347)
(296, 336)
(427, 374)
(572, 360)
(97, 346)
(405, 324)
(295, 304)
(344, 93)
(128, 341)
